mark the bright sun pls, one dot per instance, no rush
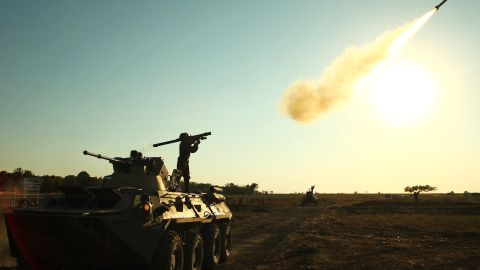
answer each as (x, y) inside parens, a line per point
(401, 92)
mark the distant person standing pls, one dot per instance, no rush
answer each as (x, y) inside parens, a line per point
(187, 146)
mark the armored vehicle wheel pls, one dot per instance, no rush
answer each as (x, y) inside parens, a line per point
(193, 251)
(226, 236)
(212, 243)
(169, 255)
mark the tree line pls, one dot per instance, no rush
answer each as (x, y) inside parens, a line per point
(10, 180)
(14, 179)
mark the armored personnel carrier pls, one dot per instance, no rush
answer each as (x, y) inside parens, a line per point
(135, 219)
(310, 197)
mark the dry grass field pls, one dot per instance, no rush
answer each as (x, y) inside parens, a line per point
(356, 232)
(350, 231)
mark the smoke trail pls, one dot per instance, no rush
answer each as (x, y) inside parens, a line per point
(304, 100)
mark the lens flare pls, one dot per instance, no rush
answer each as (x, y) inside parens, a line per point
(402, 93)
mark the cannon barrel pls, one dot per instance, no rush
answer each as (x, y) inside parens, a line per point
(201, 136)
(104, 157)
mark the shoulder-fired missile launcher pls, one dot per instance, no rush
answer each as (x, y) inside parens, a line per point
(135, 219)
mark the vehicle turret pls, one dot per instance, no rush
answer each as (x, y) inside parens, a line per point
(147, 173)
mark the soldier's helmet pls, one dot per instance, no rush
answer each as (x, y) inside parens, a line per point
(184, 136)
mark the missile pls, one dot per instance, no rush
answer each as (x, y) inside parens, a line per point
(439, 5)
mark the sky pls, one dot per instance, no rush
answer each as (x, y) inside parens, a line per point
(112, 76)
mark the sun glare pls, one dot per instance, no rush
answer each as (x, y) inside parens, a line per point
(402, 93)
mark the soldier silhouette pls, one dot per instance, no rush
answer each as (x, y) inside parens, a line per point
(187, 146)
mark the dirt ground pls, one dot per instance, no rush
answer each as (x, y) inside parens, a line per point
(436, 233)
(347, 231)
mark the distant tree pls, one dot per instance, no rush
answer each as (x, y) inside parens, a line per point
(231, 188)
(70, 180)
(50, 183)
(253, 187)
(417, 189)
(4, 178)
(202, 187)
(17, 174)
(27, 174)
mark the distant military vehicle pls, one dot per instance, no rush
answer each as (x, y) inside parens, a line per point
(310, 197)
(136, 219)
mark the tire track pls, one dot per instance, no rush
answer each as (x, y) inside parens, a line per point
(257, 241)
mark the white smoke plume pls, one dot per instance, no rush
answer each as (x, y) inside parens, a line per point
(306, 100)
